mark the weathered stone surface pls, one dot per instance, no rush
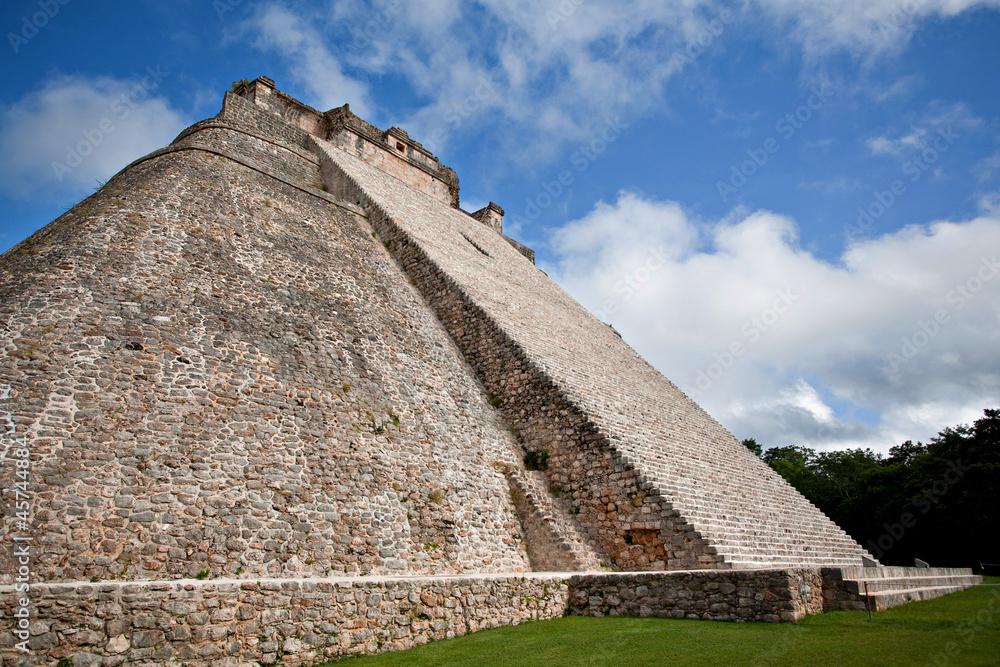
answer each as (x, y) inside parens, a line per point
(653, 480)
(269, 369)
(226, 375)
(330, 618)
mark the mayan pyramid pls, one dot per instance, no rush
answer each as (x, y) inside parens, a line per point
(278, 347)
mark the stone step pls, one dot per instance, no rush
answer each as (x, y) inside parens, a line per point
(892, 571)
(775, 548)
(729, 532)
(731, 540)
(892, 586)
(882, 600)
(723, 525)
(784, 513)
(766, 540)
(789, 517)
(902, 583)
(729, 553)
(766, 562)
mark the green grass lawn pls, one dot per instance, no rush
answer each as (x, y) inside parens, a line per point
(958, 629)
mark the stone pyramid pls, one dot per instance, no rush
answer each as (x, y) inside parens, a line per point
(278, 347)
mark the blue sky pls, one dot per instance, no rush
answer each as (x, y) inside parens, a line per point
(792, 209)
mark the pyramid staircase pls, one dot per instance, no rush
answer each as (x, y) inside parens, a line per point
(880, 588)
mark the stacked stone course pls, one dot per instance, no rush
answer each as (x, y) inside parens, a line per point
(287, 621)
(300, 622)
(727, 595)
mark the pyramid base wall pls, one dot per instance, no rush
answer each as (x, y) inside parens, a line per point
(304, 621)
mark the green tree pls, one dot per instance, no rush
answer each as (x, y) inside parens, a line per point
(752, 445)
(794, 464)
(938, 501)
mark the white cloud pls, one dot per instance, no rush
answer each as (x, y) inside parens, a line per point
(588, 61)
(556, 70)
(985, 169)
(782, 346)
(989, 204)
(901, 87)
(860, 27)
(74, 131)
(903, 145)
(311, 62)
(954, 121)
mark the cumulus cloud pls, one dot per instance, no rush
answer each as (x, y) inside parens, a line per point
(554, 71)
(860, 27)
(311, 62)
(902, 329)
(74, 131)
(472, 62)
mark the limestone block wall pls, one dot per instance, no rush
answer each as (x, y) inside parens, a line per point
(394, 162)
(342, 121)
(219, 372)
(656, 481)
(392, 151)
(731, 595)
(304, 621)
(290, 622)
(261, 92)
(244, 114)
(553, 538)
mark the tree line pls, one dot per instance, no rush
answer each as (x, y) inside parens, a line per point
(937, 502)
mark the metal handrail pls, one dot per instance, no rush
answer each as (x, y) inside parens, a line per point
(868, 605)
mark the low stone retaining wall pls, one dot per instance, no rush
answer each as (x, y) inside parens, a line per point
(304, 621)
(717, 595)
(291, 622)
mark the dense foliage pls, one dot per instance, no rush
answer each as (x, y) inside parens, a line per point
(937, 502)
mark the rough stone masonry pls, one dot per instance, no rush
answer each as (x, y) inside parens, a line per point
(268, 396)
